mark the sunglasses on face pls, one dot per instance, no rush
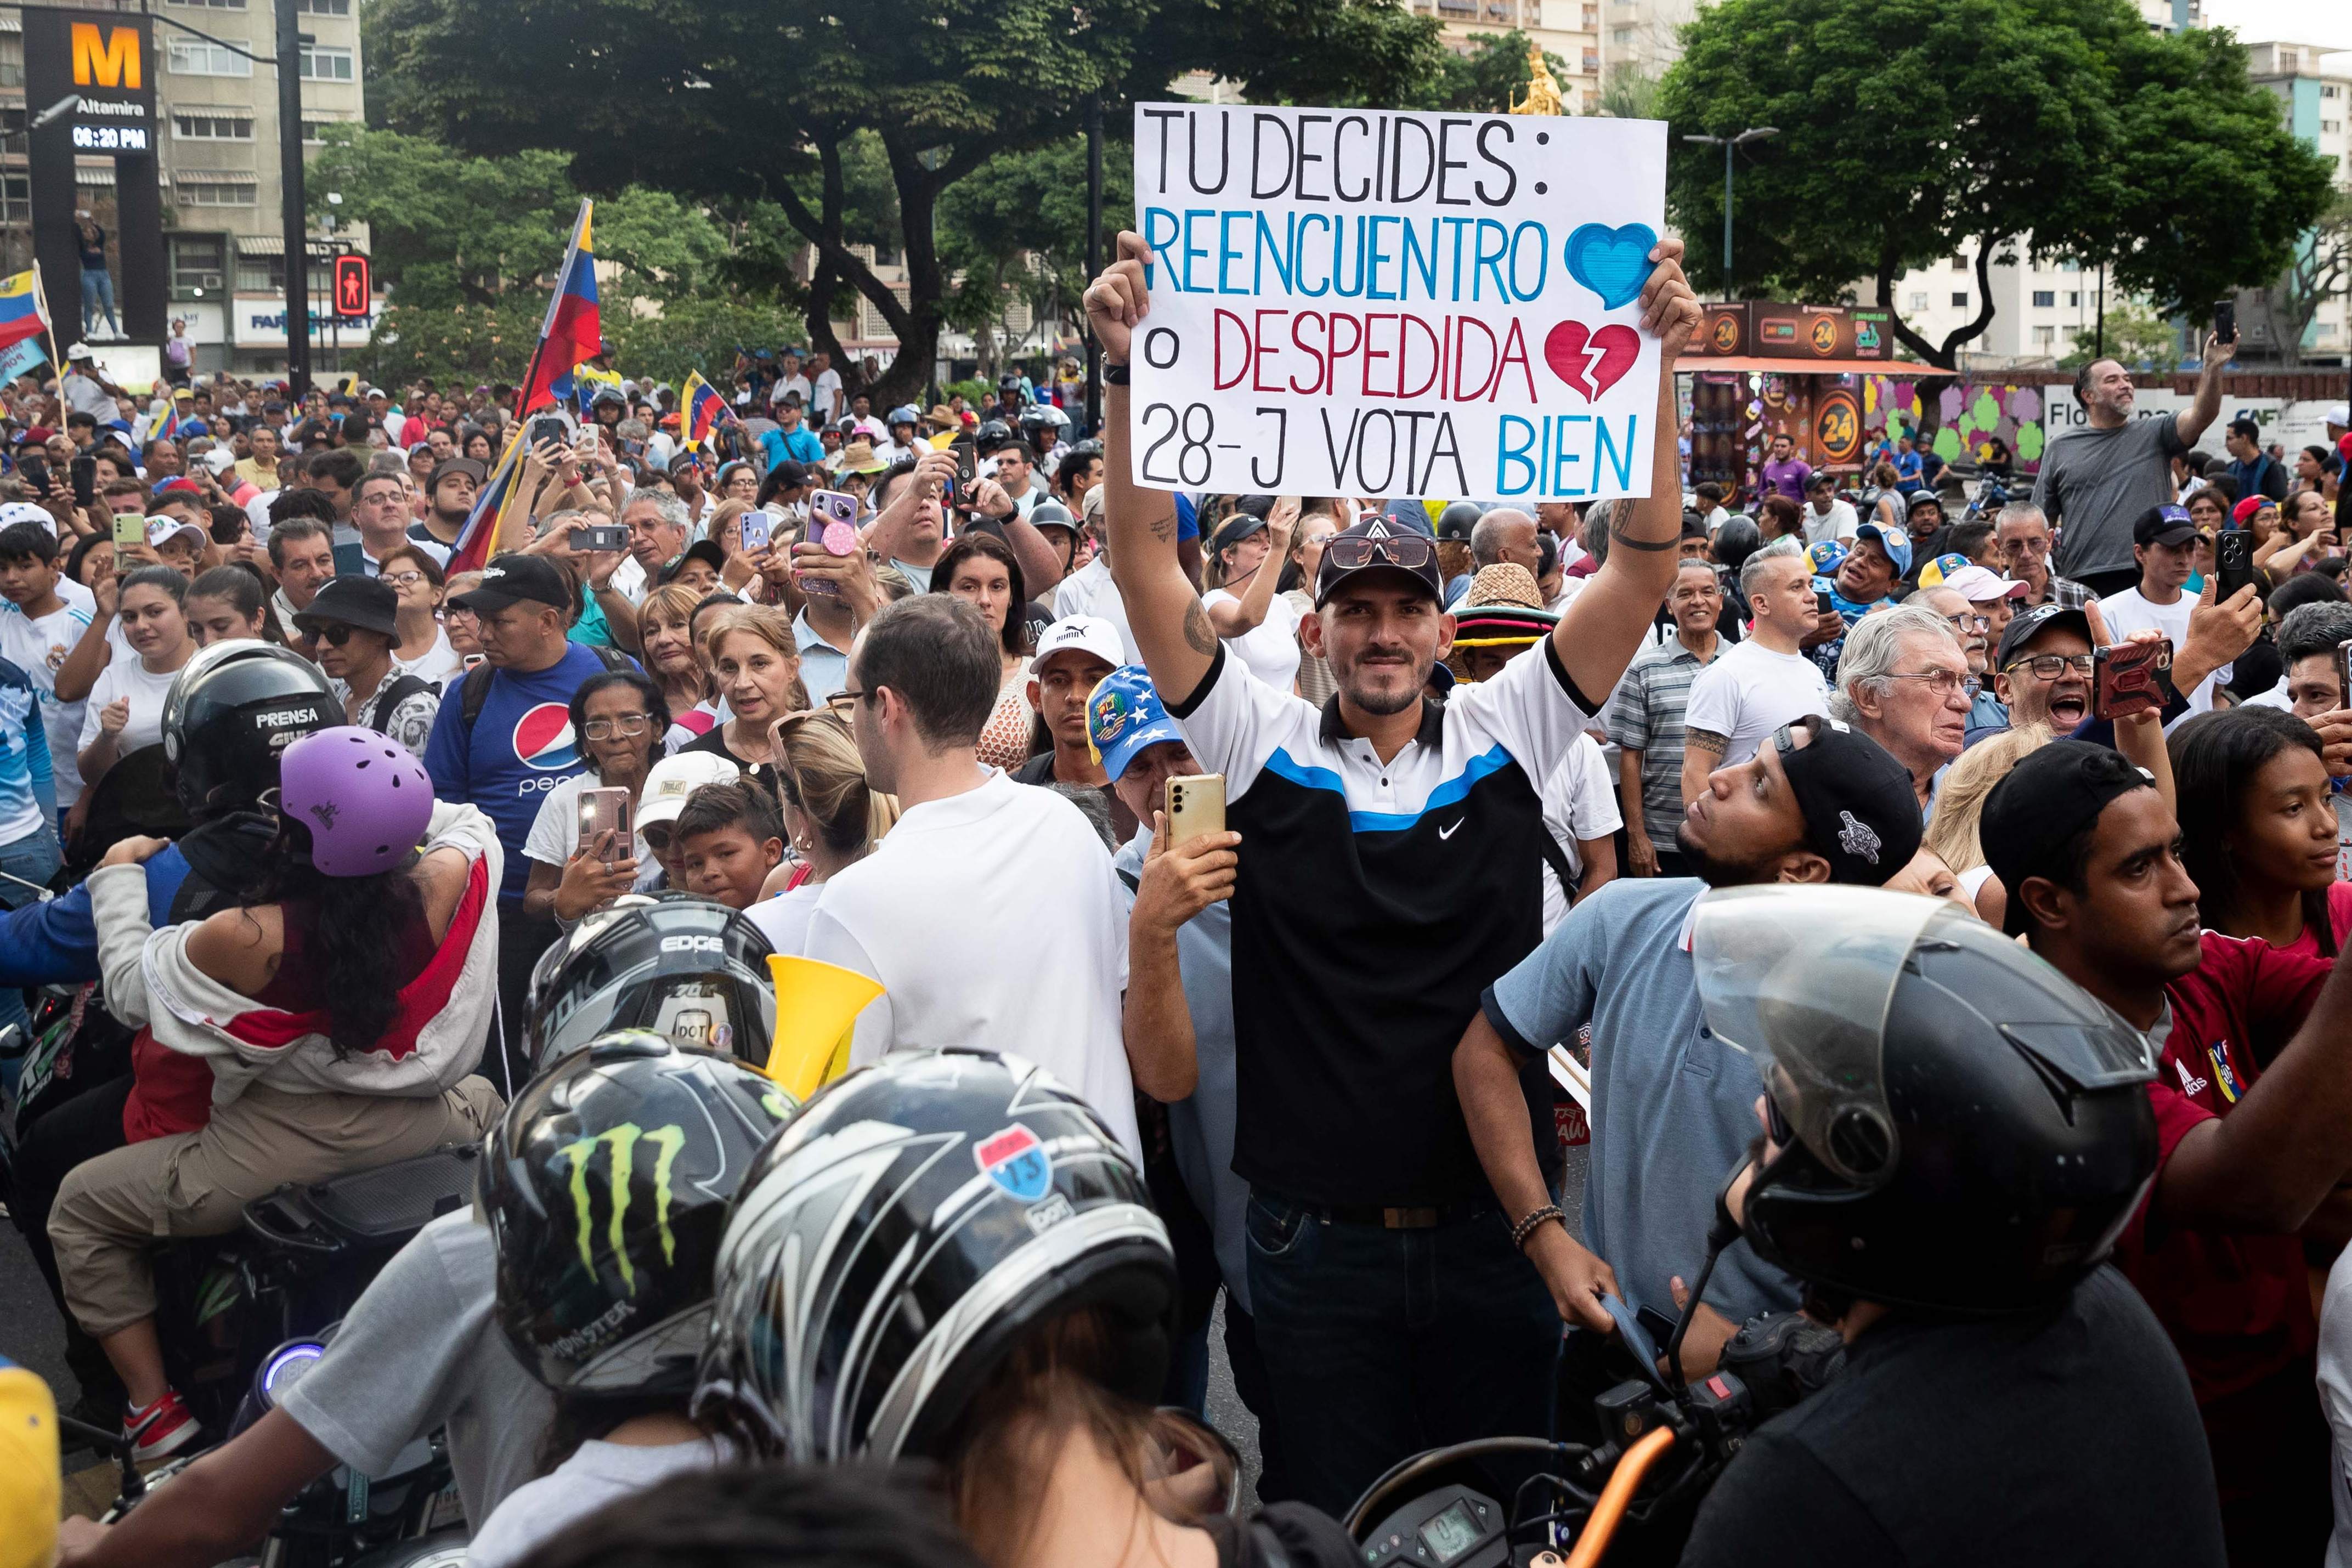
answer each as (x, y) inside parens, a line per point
(334, 636)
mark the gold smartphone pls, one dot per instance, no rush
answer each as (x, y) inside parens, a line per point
(1196, 805)
(608, 810)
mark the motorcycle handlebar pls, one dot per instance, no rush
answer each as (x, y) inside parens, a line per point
(1392, 1485)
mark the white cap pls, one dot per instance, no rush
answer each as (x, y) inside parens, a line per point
(219, 459)
(1978, 586)
(162, 529)
(2340, 415)
(80, 352)
(14, 512)
(1086, 634)
(673, 779)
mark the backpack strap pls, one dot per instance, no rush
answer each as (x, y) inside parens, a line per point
(389, 697)
(1557, 858)
(472, 695)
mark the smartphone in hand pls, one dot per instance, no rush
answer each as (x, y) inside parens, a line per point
(2127, 678)
(1196, 805)
(2233, 561)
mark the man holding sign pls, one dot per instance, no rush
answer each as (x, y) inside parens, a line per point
(1390, 860)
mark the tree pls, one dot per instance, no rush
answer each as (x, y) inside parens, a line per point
(713, 104)
(1627, 92)
(1486, 79)
(1998, 129)
(1016, 228)
(2316, 274)
(2133, 336)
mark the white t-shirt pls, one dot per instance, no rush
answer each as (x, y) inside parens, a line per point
(554, 836)
(1838, 523)
(38, 646)
(128, 677)
(1751, 691)
(955, 912)
(2131, 612)
(2336, 1400)
(783, 920)
(1269, 649)
(596, 1474)
(439, 664)
(1579, 802)
(1089, 590)
(828, 393)
(789, 385)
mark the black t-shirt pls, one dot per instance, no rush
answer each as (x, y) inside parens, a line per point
(2064, 1437)
(715, 741)
(1284, 1535)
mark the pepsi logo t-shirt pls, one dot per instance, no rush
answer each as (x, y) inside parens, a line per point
(521, 746)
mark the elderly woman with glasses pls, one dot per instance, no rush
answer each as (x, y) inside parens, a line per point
(619, 716)
(424, 650)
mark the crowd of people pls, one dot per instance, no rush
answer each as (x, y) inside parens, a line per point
(369, 856)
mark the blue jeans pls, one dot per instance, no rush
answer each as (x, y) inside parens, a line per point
(97, 296)
(1380, 1344)
(35, 858)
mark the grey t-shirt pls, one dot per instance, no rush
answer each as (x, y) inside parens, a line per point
(421, 1349)
(1674, 1108)
(596, 1474)
(2093, 484)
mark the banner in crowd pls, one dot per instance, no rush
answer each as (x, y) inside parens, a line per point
(1352, 302)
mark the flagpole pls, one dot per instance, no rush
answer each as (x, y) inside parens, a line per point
(49, 326)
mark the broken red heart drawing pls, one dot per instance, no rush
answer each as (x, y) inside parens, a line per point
(1570, 348)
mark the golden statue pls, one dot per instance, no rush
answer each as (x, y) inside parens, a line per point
(1543, 90)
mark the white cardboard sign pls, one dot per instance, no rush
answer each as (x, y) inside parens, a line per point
(1359, 303)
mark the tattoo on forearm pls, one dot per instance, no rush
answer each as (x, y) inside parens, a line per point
(1163, 527)
(1199, 635)
(1619, 539)
(1706, 740)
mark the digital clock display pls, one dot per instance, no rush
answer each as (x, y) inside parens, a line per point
(1451, 1534)
(110, 139)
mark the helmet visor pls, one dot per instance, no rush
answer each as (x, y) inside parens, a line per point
(1802, 979)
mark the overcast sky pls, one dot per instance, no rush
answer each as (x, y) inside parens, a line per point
(2326, 22)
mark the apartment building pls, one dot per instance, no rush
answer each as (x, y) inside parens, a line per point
(216, 112)
(2315, 92)
(1568, 28)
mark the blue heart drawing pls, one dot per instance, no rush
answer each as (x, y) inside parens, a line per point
(1613, 263)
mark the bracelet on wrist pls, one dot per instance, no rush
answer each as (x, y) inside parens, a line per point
(1528, 1226)
(1114, 372)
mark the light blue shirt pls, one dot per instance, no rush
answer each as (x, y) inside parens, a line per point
(824, 669)
(1673, 1107)
(1200, 1125)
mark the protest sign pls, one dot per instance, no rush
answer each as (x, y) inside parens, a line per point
(1350, 302)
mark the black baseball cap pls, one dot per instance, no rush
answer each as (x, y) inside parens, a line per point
(704, 550)
(366, 602)
(1233, 531)
(512, 578)
(1378, 544)
(1861, 812)
(2054, 792)
(2032, 624)
(2163, 525)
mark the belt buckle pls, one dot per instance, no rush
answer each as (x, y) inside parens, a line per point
(1409, 1218)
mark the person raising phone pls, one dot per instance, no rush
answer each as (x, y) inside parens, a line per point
(620, 716)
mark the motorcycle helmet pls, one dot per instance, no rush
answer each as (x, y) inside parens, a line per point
(362, 797)
(680, 966)
(1962, 1128)
(914, 1222)
(231, 712)
(992, 435)
(605, 1187)
(1458, 518)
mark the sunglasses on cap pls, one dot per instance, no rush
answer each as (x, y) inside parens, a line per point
(1347, 552)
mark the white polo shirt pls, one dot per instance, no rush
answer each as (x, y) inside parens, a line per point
(993, 921)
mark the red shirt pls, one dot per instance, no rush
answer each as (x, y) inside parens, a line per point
(2237, 1306)
(2339, 916)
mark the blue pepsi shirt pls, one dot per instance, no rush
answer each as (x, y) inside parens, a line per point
(520, 747)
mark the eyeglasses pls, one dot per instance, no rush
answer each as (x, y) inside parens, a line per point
(2034, 545)
(334, 636)
(1970, 622)
(842, 701)
(628, 726)
(1943, 683)
(1350, 551)
(401, 578)
(657, 836)
(2050, 666)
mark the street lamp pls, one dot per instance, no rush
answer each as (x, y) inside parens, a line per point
(1756, 133)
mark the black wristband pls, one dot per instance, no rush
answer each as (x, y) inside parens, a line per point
(1114, 374)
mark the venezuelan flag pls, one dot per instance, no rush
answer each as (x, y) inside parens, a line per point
(477, 540)
(704, 409)
(571, 331)
(20, 310)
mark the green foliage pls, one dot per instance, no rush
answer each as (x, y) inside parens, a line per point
(975, 390)
(721, 107)
(1987, 121)
(1016, 228)
(1486, 79)
(1627, 92)
(461, 342)
(2135, 338)
(697, 334)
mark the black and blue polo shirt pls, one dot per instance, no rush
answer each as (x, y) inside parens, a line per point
(1376, 902)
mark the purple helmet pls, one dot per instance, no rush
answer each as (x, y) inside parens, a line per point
(365, 797)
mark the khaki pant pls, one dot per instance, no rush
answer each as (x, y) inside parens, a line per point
(110, 1210)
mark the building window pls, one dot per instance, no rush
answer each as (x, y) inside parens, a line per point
(320, 64)
(16, 198)
(195, 57)
(212, 128)
(198, 262)
(1960, 264)
(2045, 298)
(2074, 299)
(1592, 18)
(312, 129)
(191, 193)
(2331, 90)
(1621, 35)
(212, 5)
(2330, 127)
(323, 8)
(1591, 62)
(2045, 337)
(1959, 299)
(1918, 303)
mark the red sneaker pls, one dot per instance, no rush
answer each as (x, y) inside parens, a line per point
(161, 1429)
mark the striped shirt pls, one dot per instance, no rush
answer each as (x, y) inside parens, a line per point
(1646, 715)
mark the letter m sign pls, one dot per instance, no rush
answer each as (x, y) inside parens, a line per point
(114, 62)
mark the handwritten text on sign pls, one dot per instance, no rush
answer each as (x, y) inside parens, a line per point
(1396, 304)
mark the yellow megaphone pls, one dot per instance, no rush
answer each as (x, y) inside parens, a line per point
(817, 1006)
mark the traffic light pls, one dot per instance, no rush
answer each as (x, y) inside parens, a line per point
(352, 293)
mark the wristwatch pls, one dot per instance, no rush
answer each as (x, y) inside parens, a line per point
(1114, 372)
